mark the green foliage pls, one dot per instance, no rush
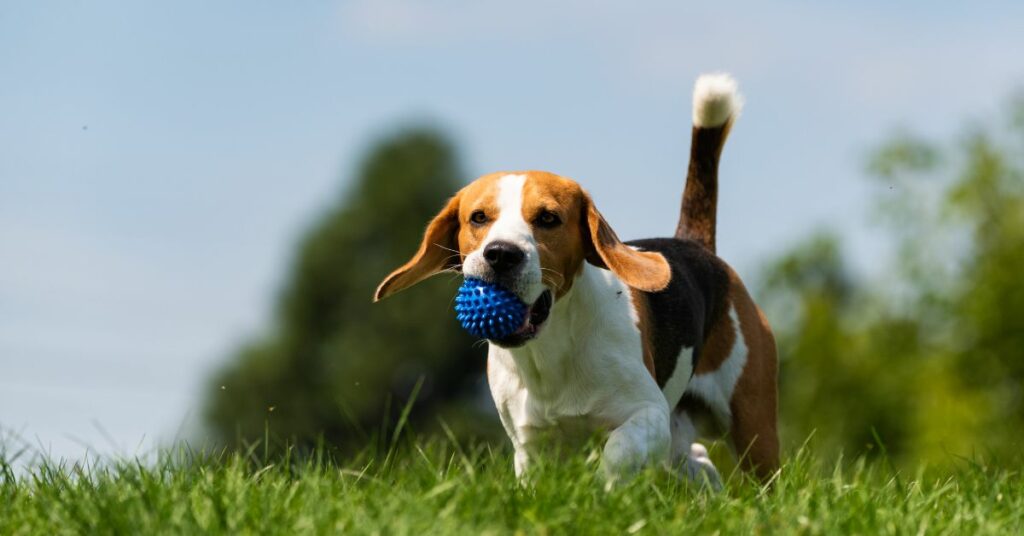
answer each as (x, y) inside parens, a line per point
(334, 361)
(441, 488)
(929, 356)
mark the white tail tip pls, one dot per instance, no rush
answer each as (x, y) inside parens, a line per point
(715, 100)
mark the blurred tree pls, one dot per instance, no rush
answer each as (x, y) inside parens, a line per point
(930, 356)
(337, 366)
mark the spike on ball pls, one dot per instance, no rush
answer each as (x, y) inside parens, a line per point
(488, 311)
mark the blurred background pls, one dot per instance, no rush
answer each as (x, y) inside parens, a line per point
(197, 199)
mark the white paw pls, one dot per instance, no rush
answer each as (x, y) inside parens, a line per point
(621, 460)
(644, 439)
(698, 468)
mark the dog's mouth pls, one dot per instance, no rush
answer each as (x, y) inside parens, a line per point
(535, 318)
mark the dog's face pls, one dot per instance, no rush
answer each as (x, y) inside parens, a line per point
(529, 232)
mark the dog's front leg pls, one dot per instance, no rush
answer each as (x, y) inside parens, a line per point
(521, 462)
(644, 438)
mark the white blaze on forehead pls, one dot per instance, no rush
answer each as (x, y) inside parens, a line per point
(510, 225)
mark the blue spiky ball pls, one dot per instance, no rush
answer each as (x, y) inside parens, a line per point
(488, 311)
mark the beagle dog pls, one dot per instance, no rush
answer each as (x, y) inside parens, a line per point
(634, 339)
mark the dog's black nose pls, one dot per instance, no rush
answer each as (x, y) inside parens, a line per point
(503, 256)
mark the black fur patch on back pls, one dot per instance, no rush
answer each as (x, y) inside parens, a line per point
(682, 314)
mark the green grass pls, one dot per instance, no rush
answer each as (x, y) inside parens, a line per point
(438, 488)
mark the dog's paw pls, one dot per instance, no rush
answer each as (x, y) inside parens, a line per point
(698, 468)
(621, 460)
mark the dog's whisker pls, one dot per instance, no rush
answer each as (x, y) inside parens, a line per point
(558, 283)
(556, 272)
(446, 248)
(450, 257)
(547, 278)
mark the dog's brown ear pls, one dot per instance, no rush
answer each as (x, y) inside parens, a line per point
(642, 270)
(438, 251)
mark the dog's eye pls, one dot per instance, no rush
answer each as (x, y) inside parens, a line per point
(546, 218)
(478, 217)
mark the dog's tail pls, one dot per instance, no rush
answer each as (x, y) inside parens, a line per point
(716, 105)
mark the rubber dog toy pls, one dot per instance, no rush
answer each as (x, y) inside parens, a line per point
(487, 310)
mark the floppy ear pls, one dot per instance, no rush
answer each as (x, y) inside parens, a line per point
(435, 253)
(642, 270)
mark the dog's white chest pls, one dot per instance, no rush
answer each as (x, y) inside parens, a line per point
(568, 417)
(584, 376)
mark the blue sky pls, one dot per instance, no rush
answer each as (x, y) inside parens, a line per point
(158, 161)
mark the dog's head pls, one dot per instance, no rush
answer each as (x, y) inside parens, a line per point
(529, 232)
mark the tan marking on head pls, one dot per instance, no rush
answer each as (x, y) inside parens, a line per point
(479, 195)
(560, 248)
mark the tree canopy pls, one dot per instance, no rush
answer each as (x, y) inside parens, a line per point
(927, 357)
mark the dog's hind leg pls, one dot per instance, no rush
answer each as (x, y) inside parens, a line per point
(753, 406)
(753, 428)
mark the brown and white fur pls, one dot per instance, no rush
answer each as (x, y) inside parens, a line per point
(630, 338)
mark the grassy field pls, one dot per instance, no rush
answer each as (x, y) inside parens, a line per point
(439, 488)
